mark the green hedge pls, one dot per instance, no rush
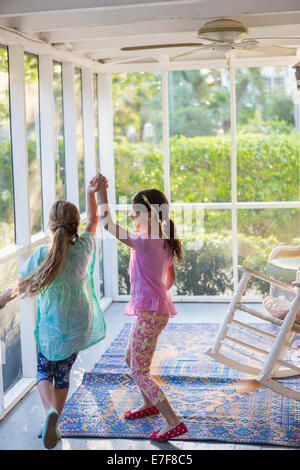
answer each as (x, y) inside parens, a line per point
(267, 170)
(137, 166)
(267, 167)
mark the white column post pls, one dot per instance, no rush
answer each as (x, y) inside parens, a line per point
(88, 124)
(233, 176)
(47, 134)
(106, 145)
(89, 146)
(70, 133)
(21, 196)
(165, 125)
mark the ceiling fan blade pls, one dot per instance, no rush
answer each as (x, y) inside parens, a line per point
(278, 37)
(189, 52)
(245, 44)
(161, 46)
(286, 42)
(272, 50)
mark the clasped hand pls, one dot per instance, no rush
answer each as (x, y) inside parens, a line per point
(97, 183)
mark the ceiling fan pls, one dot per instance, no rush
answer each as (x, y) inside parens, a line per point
(221, 35)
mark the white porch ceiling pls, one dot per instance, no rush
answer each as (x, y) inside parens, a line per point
(98, 29)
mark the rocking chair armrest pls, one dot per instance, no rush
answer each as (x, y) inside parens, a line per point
(271, 280)
(284, 251)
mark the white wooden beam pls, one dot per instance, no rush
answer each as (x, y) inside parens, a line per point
(269, 19)
(140, 40)
(276, 31)
(21, 196)
(202, 63)
(88, 124)
(165, 124)
(206, 9)
(19, 144)
(123, 30)
(156, 67)
(15, 7)
(120, 60)
(105, 113)
(88, 120)
(281, 42)
(110, 58)
(47, 134)
(265, 25)
(233, 152)
(70, 133)
(110, 55)
(161, 39)
(12, 38)
(265, 61)
(107, 167)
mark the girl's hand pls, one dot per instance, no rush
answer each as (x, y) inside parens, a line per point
(101, 181)
(97, 183)
(93, 186)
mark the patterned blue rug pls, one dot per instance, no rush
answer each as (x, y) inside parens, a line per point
(216, 402)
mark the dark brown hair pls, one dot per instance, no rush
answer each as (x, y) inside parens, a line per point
(156, 201)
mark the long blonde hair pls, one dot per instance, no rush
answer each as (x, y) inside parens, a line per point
(64, 220)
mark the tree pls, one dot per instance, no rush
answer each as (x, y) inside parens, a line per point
(137, 100)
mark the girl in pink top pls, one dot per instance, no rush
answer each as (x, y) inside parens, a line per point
(152, 273)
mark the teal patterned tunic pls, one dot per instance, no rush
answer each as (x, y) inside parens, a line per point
(69, 317)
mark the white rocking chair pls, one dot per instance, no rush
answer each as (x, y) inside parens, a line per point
(271, 362)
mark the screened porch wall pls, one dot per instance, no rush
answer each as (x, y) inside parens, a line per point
(51, 149)
(43, 154)
(224, 146)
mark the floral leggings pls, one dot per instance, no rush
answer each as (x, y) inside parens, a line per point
(143, 337)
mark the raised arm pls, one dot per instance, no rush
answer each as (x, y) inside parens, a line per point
(92, 208)
(105, 214)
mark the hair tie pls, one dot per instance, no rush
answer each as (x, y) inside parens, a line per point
(161, 223)
(61, 225)
(146, 200)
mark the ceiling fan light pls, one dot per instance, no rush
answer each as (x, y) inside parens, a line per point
(226, 36)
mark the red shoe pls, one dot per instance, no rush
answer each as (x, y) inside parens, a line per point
(179, 430)
(141, 414)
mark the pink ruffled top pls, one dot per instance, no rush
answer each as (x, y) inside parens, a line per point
(149, 260)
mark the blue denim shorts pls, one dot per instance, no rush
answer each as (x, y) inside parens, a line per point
(57, 372)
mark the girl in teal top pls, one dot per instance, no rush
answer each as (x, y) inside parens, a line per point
(69, 317)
